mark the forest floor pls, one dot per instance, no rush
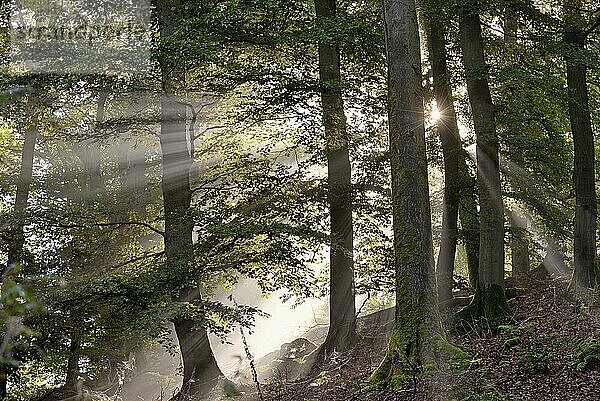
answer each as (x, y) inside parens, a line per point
(550, 351)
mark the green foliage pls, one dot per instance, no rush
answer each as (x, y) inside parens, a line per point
(590, 353)
(34, 380)
(511, 342)
(539, 355)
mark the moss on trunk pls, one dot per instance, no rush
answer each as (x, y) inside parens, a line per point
(489, 303)
(408, 357)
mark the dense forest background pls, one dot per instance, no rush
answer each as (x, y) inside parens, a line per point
(299, 200)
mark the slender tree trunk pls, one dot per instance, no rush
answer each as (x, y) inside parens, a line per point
(200, 369)
(511, 26)
(459, 186)
(417, 331)
(469, 220)
(136, 175)
(452, 152)
(73, 361)
(519, 244)
(342, 312)
(16, 245)
(15, 249)
(490, 300)
(584, 246)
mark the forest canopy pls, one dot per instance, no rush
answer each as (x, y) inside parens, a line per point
(299, 200)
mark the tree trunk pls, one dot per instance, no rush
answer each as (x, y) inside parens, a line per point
(17, 243)
(584, 246)
(342, 312)
(490, 300)
(15, 249)
(417, 333)
(519, 244)
(200, 369)
(554, 261)
(469, 220)
(452, 152)
(459, 186)
(73, 361)
(511, 26)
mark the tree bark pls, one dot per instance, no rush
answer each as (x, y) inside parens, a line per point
(584, 245)
(73, 361)
(490, 300)
(200, 369)
(451, 148)
(469, 220)
(15, 249)
(417, 333)
(459, 186)
(519, 244)
(17, 243)
(342, 311)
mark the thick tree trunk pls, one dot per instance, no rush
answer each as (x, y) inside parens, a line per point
(200, 369)
(417, 334)
(17, 243)
(584, 246)
(490, 300)
(342, 312)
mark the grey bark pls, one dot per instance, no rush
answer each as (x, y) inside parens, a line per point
(519, 244)
(342, 311)
(490, 298)
(200, 369)
(73, 359)
(458, 183)
(584, 245)
(132, 160)
(417, 320)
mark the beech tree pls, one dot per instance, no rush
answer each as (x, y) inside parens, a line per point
(584, 245)
(342, 313)
(458, 183)
(490, 300)
(417, 338)
(200, 369)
